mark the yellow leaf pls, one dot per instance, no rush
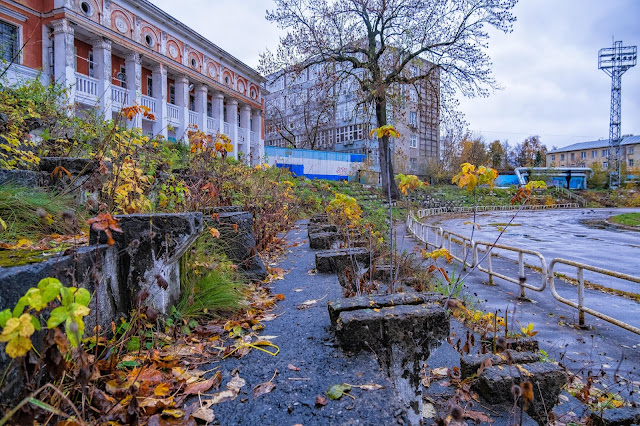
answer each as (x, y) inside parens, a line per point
(23, 242)
(214, 233)
(18, 346)
(162, 389)
(3, 225)
(173, 413)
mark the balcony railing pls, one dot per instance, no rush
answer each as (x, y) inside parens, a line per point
(149, 103)
(227, 129)
(119, 98)
(213, 125)
(242, 134)
(173, 114)
(86, 88)
(254, 137)
(193, 118)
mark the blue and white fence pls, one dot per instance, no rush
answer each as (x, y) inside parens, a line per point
(316, 164)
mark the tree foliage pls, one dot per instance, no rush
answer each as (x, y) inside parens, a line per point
(384, 44)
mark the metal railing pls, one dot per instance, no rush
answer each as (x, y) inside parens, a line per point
(149, 102)
(571, 195)
(440, 210)
(581, 267)
(173, 113)
(437, 237)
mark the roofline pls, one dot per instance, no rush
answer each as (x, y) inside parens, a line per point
(191, 33)
(605, 144)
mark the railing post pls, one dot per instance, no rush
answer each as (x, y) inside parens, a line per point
(522, 276)
(490, 269)
(580, 297)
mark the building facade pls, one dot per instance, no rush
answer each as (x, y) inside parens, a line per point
(303, 112)
(117, 53)
(585, 154)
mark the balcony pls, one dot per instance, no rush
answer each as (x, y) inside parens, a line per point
(86, 89)
(149, 103)
(213, 125)
(173, 114)
(119, 98)
(253, 137)
(193, 119)
(227, 129)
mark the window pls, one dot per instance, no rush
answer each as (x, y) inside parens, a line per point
(149, 86)
(209, 109)
(561, 157)
(172, 94)
(414, 71)
(413, 95)
(86, 8)
(605, 152)
(149, 40)
(413, 164)
(583, 154)
(413, 141)
(122, 76)
(192, 103)
(8, 41)
(630, 150)
(573, 156)
(553, 158)
(594, 154)
(605, 164)
(413, 118)
(630, 162)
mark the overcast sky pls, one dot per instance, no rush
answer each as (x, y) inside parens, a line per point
(547, 66)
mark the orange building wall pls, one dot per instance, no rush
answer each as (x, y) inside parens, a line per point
(82, 56)
(31, 35)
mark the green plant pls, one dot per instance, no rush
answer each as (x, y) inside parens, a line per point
(19, 325)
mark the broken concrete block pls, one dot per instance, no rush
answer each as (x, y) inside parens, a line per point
(319, 218)
(494, 385)
(520, 344)
(469, 364)
(373, 329)
(326, 260)
(322, 227)
(336, 307)
(324, 240)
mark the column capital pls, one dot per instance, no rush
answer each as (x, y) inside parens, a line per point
(256, 112)
(245, 108)
(134, 57)
(160, 69)
(233, 102)
(183, 79)
(62, 26)
(219, 96)
(101, 43)
(202, 88)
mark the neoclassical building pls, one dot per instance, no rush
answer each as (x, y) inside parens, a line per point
(115, 53)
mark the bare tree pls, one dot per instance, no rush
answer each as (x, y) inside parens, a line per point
(386, 43)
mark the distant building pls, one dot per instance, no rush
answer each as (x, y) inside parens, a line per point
(301, 112)
(585, 154)
(114, 53)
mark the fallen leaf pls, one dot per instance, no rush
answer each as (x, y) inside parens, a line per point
(162, 389)
(321, 401)
(263, 388)
(440, 372)
(369, 386)
(173, 413)
(309, 303)
(223, 396)
(477, 416)
(336, 391)
(199, 387)
(236, 383)
(268, 317)
(293, 367)
(428, 411)
(279, 296)
(204, 414)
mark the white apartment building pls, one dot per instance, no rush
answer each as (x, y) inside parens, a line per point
(116, 53)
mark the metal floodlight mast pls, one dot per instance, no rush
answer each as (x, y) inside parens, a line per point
(615, 61)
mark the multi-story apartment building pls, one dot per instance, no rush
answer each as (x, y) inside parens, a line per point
(585, 154)
(116, 53)
(303, 112)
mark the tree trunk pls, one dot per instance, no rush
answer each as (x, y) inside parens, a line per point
(385, 155)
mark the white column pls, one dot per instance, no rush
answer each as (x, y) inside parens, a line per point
(245, 124)
(232, 116)
(201, 106)
(64, 62)
(133, 70)
(182, 101)
(257, 147)
(218, 110)
(159, 78)
(102, 67)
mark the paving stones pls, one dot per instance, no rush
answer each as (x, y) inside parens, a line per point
(495, 383)
(326, 260)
